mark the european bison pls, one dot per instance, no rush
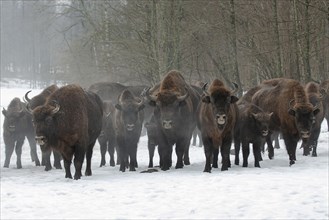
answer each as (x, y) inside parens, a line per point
(216, 119)
(175, 113)
(324, 88)
(106, 139)
(70, 122)
(32, 103)
(315, 97)
(128, 123)
(293, 114)
(252, 127)
(16, 126)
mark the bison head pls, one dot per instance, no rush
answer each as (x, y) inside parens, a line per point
(220, 100)
(168, 105)
(262, 122)
(12, 119)
(130, 113)
(44, 120)
(304, 114)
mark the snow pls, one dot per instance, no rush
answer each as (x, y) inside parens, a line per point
(274, 191)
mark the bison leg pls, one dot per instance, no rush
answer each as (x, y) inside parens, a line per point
(165, 153)
(111, 153)
(181, 150)
(89, 154)
(270, 147)
(57, 159)
(257, 153)
(215, 158)
(208, 151)
(67, 166)
(291, 145)
(103, 149)
(18, 151)
(151, 148)
(314, 146)
(9, 151)
(46, 160)
(33, 149)
(245, 153)
(237, 150)
(225, 152)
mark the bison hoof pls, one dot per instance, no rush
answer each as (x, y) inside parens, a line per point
(314, 155)
(68, 176)
(291, 162)
(76, 177)
(88, 173)
(207, 171)
(224, 168)
(59, 167)
(47, 168)
(112, 163)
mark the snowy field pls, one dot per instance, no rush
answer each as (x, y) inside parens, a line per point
(275, 191)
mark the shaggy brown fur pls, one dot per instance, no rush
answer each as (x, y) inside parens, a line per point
(215, 136)
(292, 111)
(73, 129)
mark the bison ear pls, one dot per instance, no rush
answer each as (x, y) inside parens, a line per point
(206, 99)
(118, 106)
(292, 112)
(234, 99)
(4, 112)
(254, 115)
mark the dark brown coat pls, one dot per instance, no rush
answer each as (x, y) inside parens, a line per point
(70, 122)
(293, 114)
(217, 116)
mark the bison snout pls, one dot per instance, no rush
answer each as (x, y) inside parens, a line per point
(265, 133)
(11, 128)
(130, 127)
(221, 119)
(167, 124)
(305, 134)
(41, 140)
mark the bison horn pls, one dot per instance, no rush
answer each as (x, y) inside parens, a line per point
(236, 88)
(148, 96)
(26, 98)
(56, 109)
(182, 97)
(204, 89)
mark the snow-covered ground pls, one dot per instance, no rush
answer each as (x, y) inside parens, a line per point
(275, 191)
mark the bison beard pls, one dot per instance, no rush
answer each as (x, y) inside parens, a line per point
(70, 121)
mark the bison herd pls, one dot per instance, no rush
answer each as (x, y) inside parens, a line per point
(67, 121)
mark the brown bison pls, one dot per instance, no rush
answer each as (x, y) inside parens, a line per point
(175, 113)
(293, 114)
(128, 123)
(324, 88)
(106, 139)
(16, 126)
(32, 103)
(217, 116)
(315, 97)
(70, 122)
(252, 127)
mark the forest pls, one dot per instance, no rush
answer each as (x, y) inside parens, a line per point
(137, 42)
